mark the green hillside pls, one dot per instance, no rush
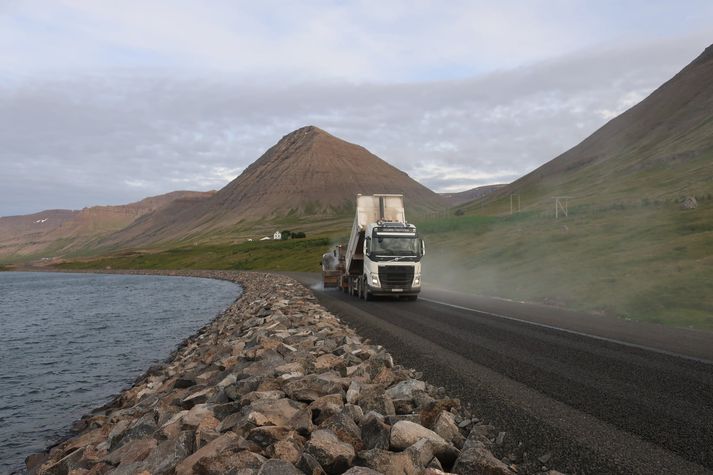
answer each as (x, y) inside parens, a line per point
(626, 247)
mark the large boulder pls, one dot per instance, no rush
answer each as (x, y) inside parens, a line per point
(278, 412)
(446, 427)
(278, 467)
(311, 387)
(375, 432)
(332, 454)
(406, 433)
(164, 458)
(476, 458)
(210, 450)
(389, 463)
(230, 462)
(134, 451)
(406, 389)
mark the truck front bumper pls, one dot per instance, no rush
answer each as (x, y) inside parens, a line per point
(380, 291)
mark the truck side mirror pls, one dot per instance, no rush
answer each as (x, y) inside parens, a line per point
(367, 246)
(423, 248)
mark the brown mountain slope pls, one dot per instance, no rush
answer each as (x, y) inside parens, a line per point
(455, 199)
(56, 232)
(661, 148)
(307, 173)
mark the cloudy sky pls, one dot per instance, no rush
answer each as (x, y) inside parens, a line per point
(105, 102)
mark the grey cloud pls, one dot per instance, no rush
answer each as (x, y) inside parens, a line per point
(99, 139)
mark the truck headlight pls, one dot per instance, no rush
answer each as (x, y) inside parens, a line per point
(375, 280)
(417, 280)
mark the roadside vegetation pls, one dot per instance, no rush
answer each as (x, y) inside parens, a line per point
(287, 255)
(647, 261)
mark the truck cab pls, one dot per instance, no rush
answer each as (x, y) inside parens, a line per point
(392, 259)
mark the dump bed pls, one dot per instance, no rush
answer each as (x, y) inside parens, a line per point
(370, 209)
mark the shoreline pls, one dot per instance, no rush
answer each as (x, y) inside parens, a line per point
(275, 382)
(50, 346)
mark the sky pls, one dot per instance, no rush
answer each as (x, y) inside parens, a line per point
(105, 102)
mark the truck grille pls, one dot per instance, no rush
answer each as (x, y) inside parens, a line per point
(395, 276)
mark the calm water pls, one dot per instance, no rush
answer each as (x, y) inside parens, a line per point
(68, 342)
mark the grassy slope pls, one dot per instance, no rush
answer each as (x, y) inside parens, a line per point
(294, 254)
(648, 261)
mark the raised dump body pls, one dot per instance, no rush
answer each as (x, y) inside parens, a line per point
(370, 209)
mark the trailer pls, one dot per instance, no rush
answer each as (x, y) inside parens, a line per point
(332, 267)
(384, 252)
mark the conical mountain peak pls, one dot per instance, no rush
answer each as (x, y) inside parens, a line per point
(311, 170)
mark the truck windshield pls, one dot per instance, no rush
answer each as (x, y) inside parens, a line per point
(395, 246)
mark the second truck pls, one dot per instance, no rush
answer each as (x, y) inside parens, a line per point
(383, 256)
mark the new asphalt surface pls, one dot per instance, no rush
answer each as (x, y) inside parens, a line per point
(586, 394)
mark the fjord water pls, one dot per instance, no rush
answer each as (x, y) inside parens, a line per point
(68, 342)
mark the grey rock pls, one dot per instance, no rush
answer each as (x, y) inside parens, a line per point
(476, 458)
(277, 411)
(389, 463)
(404, 434)
(345, 429)
(373, 398)
(311, 387)
(141, 428)
(375, 432)
(309, 465)
(325, 407)
(240, 463)
(184, 382)
(422, 452)
(406, 389)
(361, 471)
(268, 435)
(164, 458)
(332, 454)
(446, 427)
(278, 467)
(353, 393)
(301, 422)
(355, 412)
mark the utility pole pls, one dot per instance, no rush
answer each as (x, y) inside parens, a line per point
(512, 207)
(561, 206)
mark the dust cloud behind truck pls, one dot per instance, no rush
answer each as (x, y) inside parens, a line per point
(383, 256)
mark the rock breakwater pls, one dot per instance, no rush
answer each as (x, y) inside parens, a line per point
(276, 385)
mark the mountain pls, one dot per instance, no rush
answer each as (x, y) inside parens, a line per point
(633, 244)
(309, 172)
(660, 149)
(56, 232)
(455, 199)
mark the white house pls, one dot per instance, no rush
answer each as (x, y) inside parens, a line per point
(277, 236)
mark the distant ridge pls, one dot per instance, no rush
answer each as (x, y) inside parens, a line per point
(455, 199)
(52, 233)
(661, 148)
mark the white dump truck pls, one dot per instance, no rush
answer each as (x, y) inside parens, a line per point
(383, 256)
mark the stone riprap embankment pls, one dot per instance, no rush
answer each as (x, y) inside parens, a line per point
(276, 385)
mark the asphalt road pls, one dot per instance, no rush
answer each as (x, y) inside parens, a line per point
(600, 395)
